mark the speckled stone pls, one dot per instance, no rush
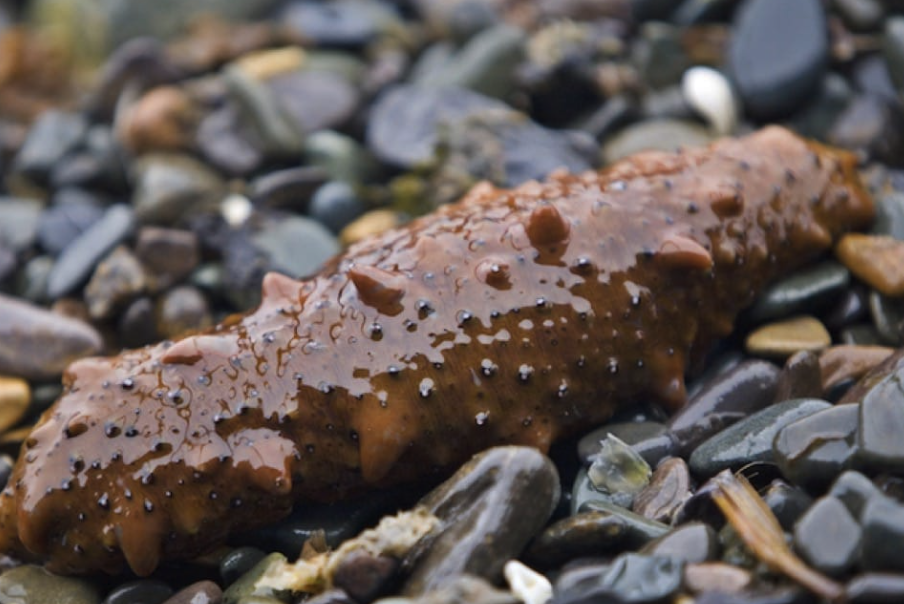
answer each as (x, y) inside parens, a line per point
(783, 338)
(876, 259)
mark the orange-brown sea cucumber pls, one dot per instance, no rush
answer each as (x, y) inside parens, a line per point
(510, 317)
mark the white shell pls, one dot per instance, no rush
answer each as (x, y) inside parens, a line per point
(526, 584)
(709, 93)
(236, 209)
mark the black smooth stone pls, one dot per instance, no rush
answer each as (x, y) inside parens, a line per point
(629, 578)
(693, 542)
(335, 204)
(778, 54)
(238, 562)
(365, 577)
(813, 450)
(746, 388)
(874, 125)
(882, 424)
(850, 307)
(291, 188)
(806, 290)
(788, 503)
(202, 592)
(875, 588)
(800, 377)
(854, 490)
(882, 520)
(145, 591)
(828, 537)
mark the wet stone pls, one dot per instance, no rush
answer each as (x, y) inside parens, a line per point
(239, 561)
(840, 363)
(778, 54)
(851, 306)
(180, 310)
(364, 576)
(169, 255)
(889, 215)
(78, 260)
(629, 578)
(882, 424)
(52, 136)
(145, 592)
(117, 280)
(875, 588)
(854, 490)
(788, 503)
(716, 577)
(661, 134)
(488, 512)
(727, 398)
(876, 259)
(813, 450)
(335, 205)
(628, 432)
(800, 378)
(19, 220)
(38, 344)
(584, 534)
(693, 542)
(463, 588)
(882, 521)
(62, 223)
(290, 188)
(137, 325)
(295, 245)
(828, 537)
(29, 584)
(871, 124)
(669, 487)
(804, 291)
(404, 120)
(15, 396)
(784, 338)
(202, 592)
(245, 591)
(750, 439)
(888, 317)
(893, 49)
(860, 335)
(171, 186)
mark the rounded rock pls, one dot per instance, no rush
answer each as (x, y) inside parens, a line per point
(335, 205)
(784, 338)
(29, 584)
(828, 537)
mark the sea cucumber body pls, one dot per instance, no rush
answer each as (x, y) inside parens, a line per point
(510, 317)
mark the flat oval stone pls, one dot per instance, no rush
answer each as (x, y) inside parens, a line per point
(778, 54)
(882, 424)
(814, 449)
(202, 592)
(295, 245)
(872, 588)
(584, 534)
(335, 205)
(828, 537)
(61, 224)
(30, 584)
(882, 521)
(746, 388)
(78, 260)
(840, 363)
(629, 578)
(716, 577)
(783, 338)
(38, 344)
(488, 511)
(693, 542)
(145, 591)
(804, 291)
(800, 377)
(668, 489)
(876, 259)
(750, 439)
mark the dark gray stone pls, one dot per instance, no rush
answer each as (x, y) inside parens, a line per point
(38, 344)
(828, 537)
(315, 99)
(202, 592)
(890, 215)
(169, 255)
(289, 189)
(169, 187)
(335, 204)
(238, 562)
(693, 542)
(813, 450)
(882, 520)
(801, 377)
(629, 578)
(727, 398)
(888, 318)
(854, 490)
(875, 588)
(147, 591)
(750, 439)
(404, 120)
(51, 137)
(778, 54)
(180, 310)
(787, 502)
(62, 223)
(882, 424)
(78, 260)
(893, 50)
(488, 511)
(860, 15)
(807, 290)
(19, 220)
(118, 279)
(227, 145)
(295, 245)
(874, 125)
(345, 23)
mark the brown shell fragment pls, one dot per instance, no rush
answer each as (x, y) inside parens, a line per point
(511, 317)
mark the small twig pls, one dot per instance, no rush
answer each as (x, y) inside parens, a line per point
(758, 527)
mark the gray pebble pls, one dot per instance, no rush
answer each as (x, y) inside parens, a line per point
(788, 503)
(228, 145)
(19, 220)
(180, 310)
(341, 156)
(661, 134)
(171, 186)
(882, 521)
(78, 260)
(854, 490)
(62, 223)
(38, 344)
(813, 450)
(145, 591)
(344, 23)
(295, 245)
(806, 290)
(202, 592)
(778, 54)
(169, 255)
(488, 510)
(51, 137)
(289, 189)
(314, 99)
(750, 439)
(828, 537)
(875, 588)
(873, 125)
(335, 204)
(890, 215)
(727, 398)
(888, 317)
(882, 424)
(629, 578)
(118, 279)
(693, 542)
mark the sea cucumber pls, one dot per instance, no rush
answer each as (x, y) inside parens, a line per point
(513, 316)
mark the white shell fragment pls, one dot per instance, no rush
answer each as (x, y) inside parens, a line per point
(526, 584)
(236, 209)
(709, 93)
